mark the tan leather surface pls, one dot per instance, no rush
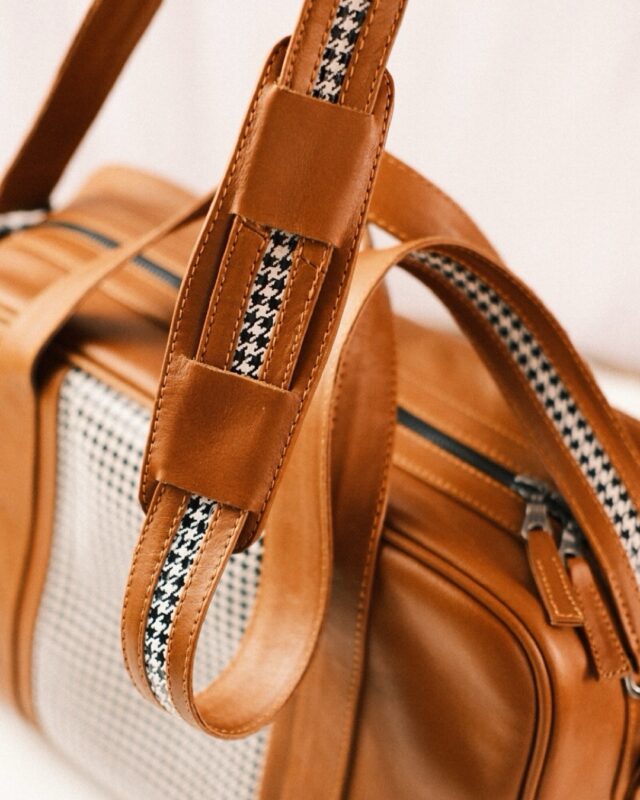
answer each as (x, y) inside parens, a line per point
(214, 454)
(329, 155)
(360, 400)
(554, 588)
(609, 659)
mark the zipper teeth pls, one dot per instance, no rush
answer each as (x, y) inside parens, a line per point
(555, 504)
(456, 448)
(106, 241)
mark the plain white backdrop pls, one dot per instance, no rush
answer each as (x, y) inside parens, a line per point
(527, 114)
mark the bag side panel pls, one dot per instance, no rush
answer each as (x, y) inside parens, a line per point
(82, 696)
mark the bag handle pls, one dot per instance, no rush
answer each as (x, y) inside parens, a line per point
(404, 203)
(344, 116)
(107, 36)
(100, 49)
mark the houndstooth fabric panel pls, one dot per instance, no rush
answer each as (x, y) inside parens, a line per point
(559, 405)
(84, 700)
(342, 39)
(265, 299)
(171, 580)
(264, 302)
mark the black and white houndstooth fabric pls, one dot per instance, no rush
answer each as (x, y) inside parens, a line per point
(94, 715)
(255, 334)
(559, 405)
(343, 36)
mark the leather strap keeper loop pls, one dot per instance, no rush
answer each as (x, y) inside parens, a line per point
(225, 434)
(311, 150)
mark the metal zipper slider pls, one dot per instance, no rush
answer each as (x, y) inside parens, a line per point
(572, 541)
(536, 515)
(547, 567)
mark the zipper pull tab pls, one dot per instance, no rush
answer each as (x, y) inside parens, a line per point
(547, 567)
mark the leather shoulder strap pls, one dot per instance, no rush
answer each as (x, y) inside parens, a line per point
(404, 203)
(100, 49)
(259, 305)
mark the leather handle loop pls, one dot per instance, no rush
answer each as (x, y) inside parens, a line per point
(578, 437)
(296, 579)
(107, 36)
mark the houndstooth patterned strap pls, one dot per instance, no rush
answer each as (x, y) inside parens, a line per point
(554, 397)
(255, 334)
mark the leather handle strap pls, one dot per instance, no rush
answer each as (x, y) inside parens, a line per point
(263, 301)
(581, 441)
(404, 203)
(108, 34)
(23, 342)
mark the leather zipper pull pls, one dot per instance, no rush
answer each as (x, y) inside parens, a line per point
(556, 592)
(608, 656)
(547, 567)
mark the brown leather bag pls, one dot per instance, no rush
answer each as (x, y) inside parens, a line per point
(376, 561)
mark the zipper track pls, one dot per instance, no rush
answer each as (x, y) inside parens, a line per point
(106, 241)
(456, 448)
(518, 484)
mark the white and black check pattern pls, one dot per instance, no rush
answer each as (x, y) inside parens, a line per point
(337, 53)
(257, 326)
(264, 303)
(84, 701)
(558, 403)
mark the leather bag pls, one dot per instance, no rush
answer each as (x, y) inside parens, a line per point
(259, 536)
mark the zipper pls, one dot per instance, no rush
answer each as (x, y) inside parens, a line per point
(542, 503)
(147, 264)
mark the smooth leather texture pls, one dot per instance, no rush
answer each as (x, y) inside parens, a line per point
(306, 165)
(554, 587)
(231, 414)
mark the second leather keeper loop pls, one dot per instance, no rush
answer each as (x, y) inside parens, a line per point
(223, 434)
(307, 165)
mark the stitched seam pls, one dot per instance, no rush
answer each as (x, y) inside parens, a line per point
(223, 277)
(356, 56)
(460, 464)
(428, 276)
(295, 48)
(611, 636)
(192, 272)
(241, 308)
(383, 57)
(449, 488)
(548, 592)
(417, 178)
(460, 407)
(132, 572)
(153, 576)
(564, 583)
(594, 647)
(377, 219)
(185, 591)
(336, 304)
(320, 273)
